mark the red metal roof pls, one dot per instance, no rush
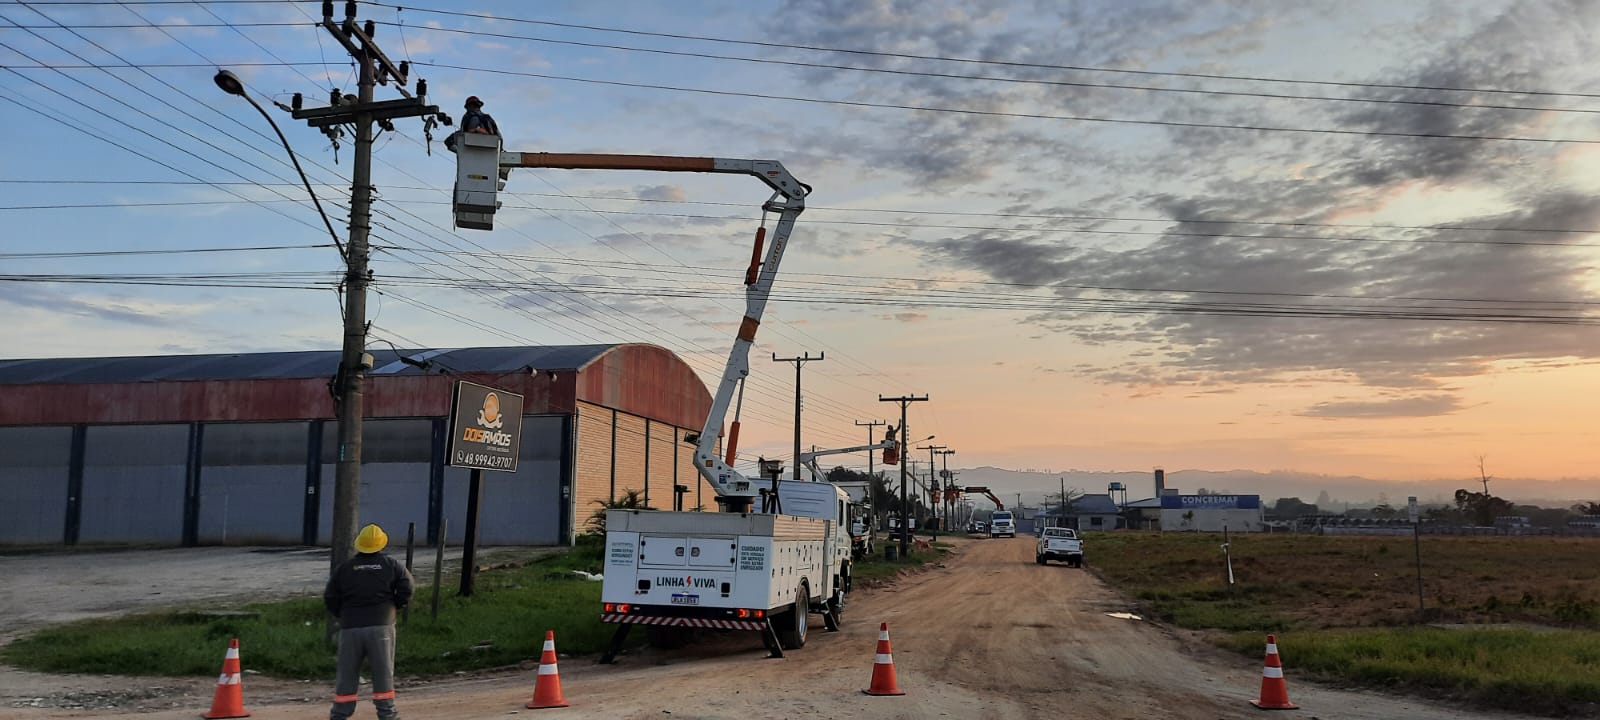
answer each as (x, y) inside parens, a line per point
(641, 379)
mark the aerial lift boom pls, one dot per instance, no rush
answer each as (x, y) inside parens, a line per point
(985, 490)
(809, 459)
(480, 168)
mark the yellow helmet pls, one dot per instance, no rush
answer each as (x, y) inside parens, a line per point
(372, 539)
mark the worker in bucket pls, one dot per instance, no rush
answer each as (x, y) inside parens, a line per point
(364, 593)
(476, 120)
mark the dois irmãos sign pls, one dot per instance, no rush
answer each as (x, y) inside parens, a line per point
(485, 428)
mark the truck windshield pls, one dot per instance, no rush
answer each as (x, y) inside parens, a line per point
(1001, 517)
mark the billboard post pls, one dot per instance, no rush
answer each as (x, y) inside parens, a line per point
(485, 433)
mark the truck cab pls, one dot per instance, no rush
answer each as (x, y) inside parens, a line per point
(1001, 523)
(1059, 543)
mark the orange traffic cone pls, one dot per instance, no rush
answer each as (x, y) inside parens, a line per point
(883, 681)
(229, 700)
(547, 690)
(1274, 693)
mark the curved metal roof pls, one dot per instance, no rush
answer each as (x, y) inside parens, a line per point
(305, 364)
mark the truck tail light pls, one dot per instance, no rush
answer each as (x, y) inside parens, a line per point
(624, 608)
(611, 607)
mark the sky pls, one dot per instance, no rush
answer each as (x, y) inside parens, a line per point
(1350, 238)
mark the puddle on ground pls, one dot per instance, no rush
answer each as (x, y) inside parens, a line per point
(1125, 616)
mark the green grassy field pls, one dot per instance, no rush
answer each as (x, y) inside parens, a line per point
(875, 567)
(503, 623)
(1509, 623)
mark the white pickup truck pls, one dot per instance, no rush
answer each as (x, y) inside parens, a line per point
(1060, 544)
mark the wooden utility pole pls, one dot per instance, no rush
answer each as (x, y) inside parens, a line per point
(375, 69)
(869, 426)
(905, 521)
(798, 362)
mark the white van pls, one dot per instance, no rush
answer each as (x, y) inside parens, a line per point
(1001, 523)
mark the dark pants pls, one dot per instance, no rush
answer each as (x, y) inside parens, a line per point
(375, 644)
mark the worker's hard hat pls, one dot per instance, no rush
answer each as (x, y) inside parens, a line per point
(372, 539)
(473, 100)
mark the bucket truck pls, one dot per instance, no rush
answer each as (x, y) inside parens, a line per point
(863, 531)
(1001, 522)
(763, 569)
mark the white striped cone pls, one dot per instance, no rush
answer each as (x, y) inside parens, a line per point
(547, 688)
(228, 702)
(883, 678)
(1274, 691)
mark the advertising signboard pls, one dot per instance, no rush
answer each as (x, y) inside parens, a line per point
(485, 428)
(1210, 502)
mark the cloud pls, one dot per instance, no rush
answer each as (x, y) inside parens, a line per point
(1403, 407)
(142, 312)
(673, 193)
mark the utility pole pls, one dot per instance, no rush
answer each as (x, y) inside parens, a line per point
(798, 362)
(869, 426)
(375, 69)
(944, 489)
(905, 528)
(1063, 501)
(932, 484)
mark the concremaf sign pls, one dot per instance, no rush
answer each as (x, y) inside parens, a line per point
(485, 428)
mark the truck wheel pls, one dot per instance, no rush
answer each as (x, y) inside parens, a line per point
(1039, 559)
(791, 625)
(832, 617)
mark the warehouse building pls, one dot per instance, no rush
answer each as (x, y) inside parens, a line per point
(1210, 513)
(240, 448)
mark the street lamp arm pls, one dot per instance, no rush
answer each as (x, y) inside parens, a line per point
(230, 84)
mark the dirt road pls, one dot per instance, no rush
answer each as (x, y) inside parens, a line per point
(991, 635)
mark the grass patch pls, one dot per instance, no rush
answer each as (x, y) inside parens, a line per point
(1526, 670)
(874, 567)
(1345, 608)
(503, 623)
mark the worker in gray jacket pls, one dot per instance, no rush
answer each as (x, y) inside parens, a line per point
(363, 593)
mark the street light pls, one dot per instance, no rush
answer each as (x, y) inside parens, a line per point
(231, 85)
(344, 500)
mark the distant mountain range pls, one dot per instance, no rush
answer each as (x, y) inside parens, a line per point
(1353, 491)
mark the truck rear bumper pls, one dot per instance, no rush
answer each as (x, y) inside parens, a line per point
(676, 616)
(714, 623)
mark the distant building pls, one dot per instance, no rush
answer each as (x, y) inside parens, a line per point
(1142, 514)
(1089, 512)
(1211, 513)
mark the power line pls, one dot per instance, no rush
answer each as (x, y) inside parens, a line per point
(151, 282)
(177, 251)
(1006, 80)
(103, 66)
(800, 278)
(998, 63)
(1017, 115)
(893, 211)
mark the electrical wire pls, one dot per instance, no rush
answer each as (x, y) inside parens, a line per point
(1006, 80)
(996, 63)
(812, 210)
(1015, 115)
